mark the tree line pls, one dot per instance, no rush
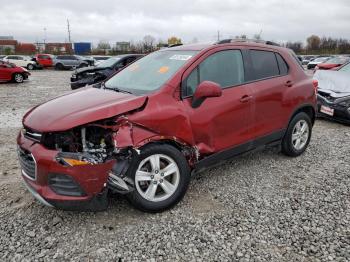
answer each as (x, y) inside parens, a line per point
(146, 45)
(320, 45)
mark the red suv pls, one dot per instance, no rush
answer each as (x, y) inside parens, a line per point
(175, 111)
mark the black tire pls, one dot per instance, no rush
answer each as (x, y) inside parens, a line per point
(59, 66)
(30, 66)
(185, 175)
(288, 148)
(18, 78)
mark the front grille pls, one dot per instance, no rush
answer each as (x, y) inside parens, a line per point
(27, 163)
(32, 135)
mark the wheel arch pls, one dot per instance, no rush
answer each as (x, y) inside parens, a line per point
(309, 109)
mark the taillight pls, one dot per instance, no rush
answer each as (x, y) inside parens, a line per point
(315, 84)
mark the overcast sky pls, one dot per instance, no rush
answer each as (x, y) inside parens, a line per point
(111, 20)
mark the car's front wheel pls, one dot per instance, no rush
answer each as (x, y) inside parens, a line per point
(59, 66)
(30, 66)
(298, 135)
(18, 78)
(161, 176)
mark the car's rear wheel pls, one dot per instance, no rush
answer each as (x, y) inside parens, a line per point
(18, 78)
(161, 176)
(30, 67)
(298, 135)
(59, 66)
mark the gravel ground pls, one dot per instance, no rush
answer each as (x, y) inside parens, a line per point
(259, 207)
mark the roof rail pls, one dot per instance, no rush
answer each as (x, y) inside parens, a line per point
(234, 40)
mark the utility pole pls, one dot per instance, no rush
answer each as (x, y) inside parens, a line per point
(69, 39)
(44, 35)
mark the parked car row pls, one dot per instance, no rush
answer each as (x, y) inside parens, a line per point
(324, 62)
(59, 62)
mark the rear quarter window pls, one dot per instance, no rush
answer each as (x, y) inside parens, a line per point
(264, 64)
(283, 66)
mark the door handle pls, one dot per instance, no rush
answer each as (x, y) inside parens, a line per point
(245, 99)
(289, 83)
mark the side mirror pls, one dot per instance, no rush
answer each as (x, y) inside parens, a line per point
(205, 90)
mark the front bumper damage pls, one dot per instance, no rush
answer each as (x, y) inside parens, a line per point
(89, 179)
(341, 112)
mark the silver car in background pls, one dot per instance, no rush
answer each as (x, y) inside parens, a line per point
(62, 62)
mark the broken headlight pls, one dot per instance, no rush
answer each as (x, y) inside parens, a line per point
(345, 103)
(86, 145)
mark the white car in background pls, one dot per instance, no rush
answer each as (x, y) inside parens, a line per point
(20, 60)
(315, 62)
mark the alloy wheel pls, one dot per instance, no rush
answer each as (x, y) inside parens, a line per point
(300, 134)
(157, 177)
(18, 78)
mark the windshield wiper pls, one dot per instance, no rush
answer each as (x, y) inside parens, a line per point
(115, 89)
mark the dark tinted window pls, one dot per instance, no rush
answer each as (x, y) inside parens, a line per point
(61, 57)
(192, 82)
(264, 64)
(282, 65)
(130, 59)
(225, 68)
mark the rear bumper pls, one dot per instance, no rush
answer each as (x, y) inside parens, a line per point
(91, 179)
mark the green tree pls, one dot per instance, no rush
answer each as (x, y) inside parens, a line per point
(174, 40)
(313, 42)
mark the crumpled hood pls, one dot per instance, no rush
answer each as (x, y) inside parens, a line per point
(336, 82)
(80, 107)
(89, 69)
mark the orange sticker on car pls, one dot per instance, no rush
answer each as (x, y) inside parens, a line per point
(163, 69)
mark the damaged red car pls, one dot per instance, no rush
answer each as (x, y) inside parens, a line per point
(174, 112)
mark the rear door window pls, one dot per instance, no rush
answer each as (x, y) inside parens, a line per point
(224, 67)
(282, 65)
(264, 64)
(43, 57)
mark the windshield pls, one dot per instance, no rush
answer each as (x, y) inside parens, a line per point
(345, 68)
(150, 72)
(109, 62)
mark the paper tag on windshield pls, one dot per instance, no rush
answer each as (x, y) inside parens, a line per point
(180, 57)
